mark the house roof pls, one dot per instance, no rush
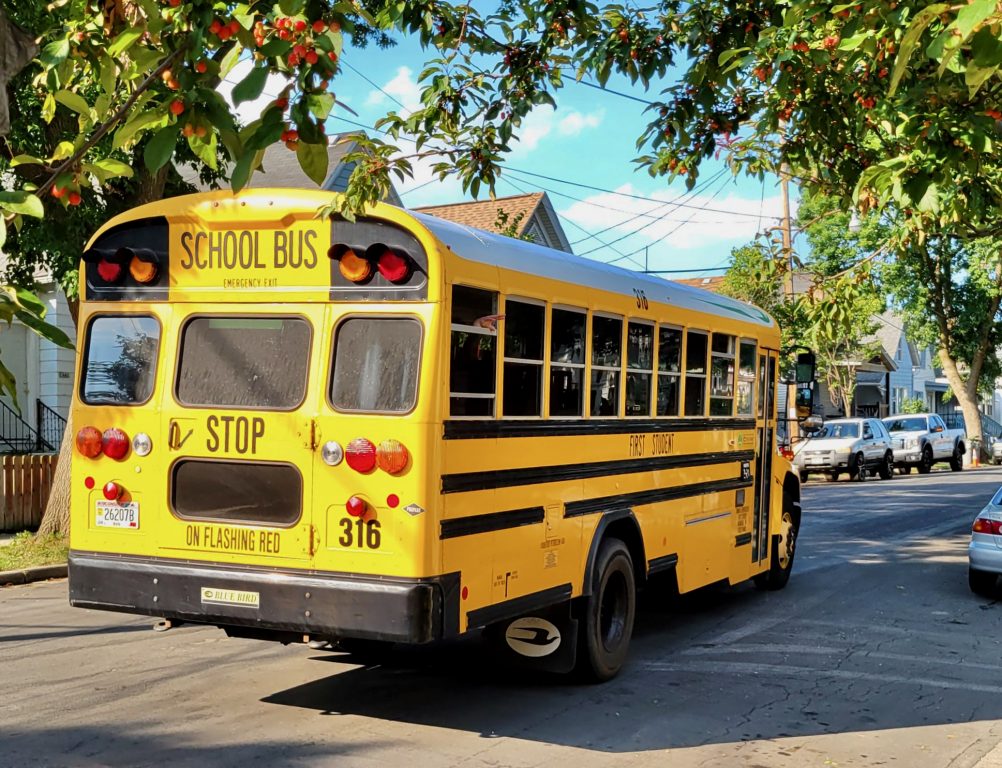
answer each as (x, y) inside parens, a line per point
(483, 214)
(707, 283)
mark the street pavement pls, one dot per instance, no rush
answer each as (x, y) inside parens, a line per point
(876, 654)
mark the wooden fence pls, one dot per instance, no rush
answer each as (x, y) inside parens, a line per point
(27, 481)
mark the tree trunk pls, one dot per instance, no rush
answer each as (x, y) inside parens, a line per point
(966, 393)
(57, 510)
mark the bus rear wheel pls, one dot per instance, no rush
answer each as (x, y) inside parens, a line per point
(783, 550)
(607, 626)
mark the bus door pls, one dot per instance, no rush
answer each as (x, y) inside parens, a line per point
(764, 437)
(239, 425)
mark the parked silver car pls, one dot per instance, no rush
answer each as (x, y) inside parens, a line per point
(985, 551)
(846, 445)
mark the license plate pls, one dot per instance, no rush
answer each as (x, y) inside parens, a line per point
(815, 460)
(216, 596)
(113, 514)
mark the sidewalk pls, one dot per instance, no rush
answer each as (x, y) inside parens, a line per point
(5, 539)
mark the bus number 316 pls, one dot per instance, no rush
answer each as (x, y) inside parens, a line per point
(359, 533)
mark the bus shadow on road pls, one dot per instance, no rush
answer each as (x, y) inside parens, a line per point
(696, 677)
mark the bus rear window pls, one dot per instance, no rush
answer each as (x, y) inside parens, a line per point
(244, 362)
(376, 363)
(120, 360)
(252, 492)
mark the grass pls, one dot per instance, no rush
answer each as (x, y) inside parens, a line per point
(26, 550)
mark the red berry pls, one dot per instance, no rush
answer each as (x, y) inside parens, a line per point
(73, 198)
(311, 57)
(332, 56)
(58, 192)
(292, 135)
(177, 107)
(225, 34)
(299, 50)
(335, 27)
(215, 26)
(293, 145)
(282, 103)
(201, 66)
(319, 26)
(234, 26)
(293, 60)
(300, 25)
(284, 34)
(174, 3)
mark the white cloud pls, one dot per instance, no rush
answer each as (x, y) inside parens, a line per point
(403, 87)
(575, 122)
(249, 111)
(666, 227)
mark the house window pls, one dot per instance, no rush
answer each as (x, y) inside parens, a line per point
(722, 375)
(746, 377)
(669, 370)
(523, 358)
(567, 362)
(606, 364)
(695, 373)
(473, 364)
(639, 368)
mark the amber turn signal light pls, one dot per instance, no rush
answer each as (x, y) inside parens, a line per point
(89, 442)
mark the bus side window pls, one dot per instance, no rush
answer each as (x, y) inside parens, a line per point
(606, 364)
(695, 373)
(746, 377)
(522, 382)
(639, 368)
(669, 370)
(761, 387)
(567, 358)
(473, 358)
(722, 375)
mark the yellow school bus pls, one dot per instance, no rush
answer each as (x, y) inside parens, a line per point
(401, 429)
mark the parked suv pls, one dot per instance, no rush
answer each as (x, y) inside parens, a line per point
(845, 445)
(921, 439)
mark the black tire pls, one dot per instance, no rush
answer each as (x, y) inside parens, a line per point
(857, 467)
(784, 547)
(925, 463)
(607, 626)
(886, 468)
(957, 458)
(803, 477)
(981, 582)
(833, 477)
(904, 469)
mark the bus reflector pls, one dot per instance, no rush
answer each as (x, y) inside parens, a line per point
(394, 267)
(360, 455)
(112, 491)
(115, 443)
(392, 456)
(109, 271)
(353, 267)
(89, 442)
(355, 506)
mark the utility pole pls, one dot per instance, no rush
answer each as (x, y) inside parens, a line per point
(787, 235)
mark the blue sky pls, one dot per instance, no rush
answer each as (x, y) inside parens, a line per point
(589, 140)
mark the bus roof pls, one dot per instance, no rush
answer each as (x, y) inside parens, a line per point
(522, 256)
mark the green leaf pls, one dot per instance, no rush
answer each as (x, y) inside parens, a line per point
(48, 108)
(9, 385)
(976, 76)
(125, 40)
(205, 148)
(74, 101)
(160, 148)
(55, 53)
(986, 48)
(229, 61)
(44, 329)
(922, 20)
(852, 43)
(313, 160)
(112, 168)
(3, 231)
(320, 104)
(108, 74)
(245, 165)
(251, 86)
(137, 123)
(26, 160)
(23, 203)
(971, 15)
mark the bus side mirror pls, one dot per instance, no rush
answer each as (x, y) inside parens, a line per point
(806, 366)
(804, 402)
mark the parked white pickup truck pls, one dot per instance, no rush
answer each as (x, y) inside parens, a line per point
(921, 439)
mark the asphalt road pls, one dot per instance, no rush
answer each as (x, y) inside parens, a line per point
(875, 654)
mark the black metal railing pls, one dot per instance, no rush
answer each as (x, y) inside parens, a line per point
(989, 427)
(49, 426)
(16, 435)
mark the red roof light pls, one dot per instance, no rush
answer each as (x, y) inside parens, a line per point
(394, 267)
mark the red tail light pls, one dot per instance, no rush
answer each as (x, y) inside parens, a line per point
(786, 452)
(360, 455)
(392, 456)
(115, 443)
(112, 491)
(984, 525)
(89, 442)
(355, 506)
(394, 267)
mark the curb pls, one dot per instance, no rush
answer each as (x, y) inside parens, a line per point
(28, 575)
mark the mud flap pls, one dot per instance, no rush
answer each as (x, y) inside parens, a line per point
(545, 640)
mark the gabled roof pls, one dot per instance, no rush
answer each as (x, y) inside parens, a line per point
(706, 283)
(537, 216)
